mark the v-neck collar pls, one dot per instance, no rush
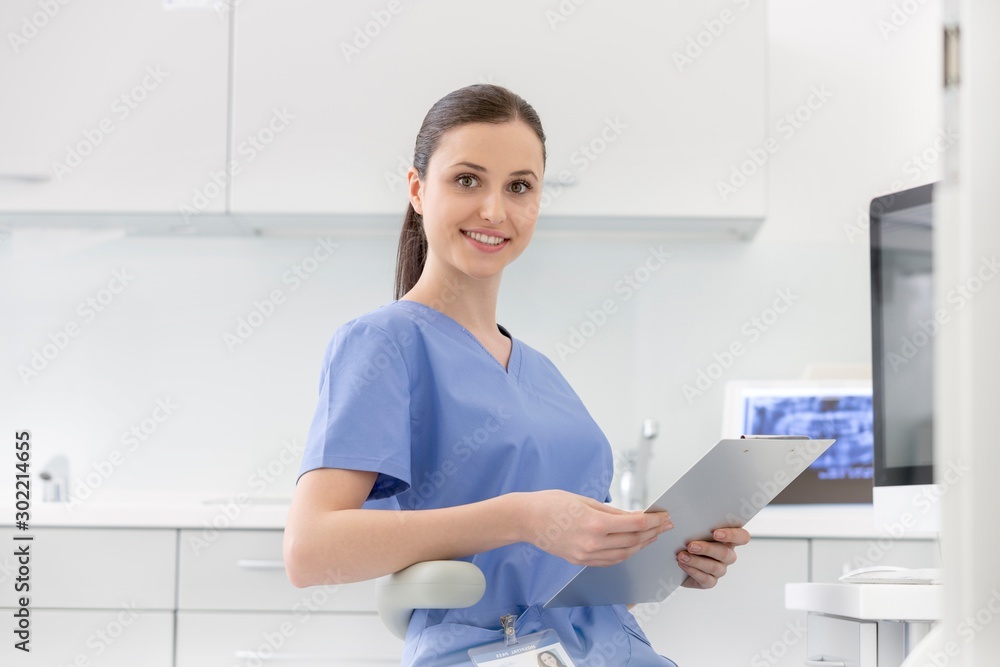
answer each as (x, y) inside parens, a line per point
(448, 323)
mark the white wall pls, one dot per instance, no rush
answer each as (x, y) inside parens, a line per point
(162, 336)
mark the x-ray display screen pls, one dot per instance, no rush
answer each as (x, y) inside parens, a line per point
(843, 474)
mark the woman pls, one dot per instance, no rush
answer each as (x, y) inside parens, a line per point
(428, 405)
(549, 659)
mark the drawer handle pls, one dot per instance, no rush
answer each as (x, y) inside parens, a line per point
(249, 564)
(820, 662)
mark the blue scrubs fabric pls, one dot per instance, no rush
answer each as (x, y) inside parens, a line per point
(409, 393)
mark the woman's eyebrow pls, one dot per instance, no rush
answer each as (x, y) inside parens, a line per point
(476, 167)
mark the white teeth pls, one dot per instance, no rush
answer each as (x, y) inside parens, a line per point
(483, 238)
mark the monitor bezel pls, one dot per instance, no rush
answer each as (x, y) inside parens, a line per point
(884, 475)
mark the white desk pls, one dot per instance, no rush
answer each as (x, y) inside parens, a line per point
(864, 625)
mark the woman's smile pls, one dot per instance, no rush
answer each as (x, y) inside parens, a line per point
(485, 241)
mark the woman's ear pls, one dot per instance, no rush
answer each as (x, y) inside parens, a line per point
(416, 190)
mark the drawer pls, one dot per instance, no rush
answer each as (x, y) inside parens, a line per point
(245, 639)
(96, 568)
(108, 638)
(243, 570)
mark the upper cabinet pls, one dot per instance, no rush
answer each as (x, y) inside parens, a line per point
(650, 108)
(653, 110)
(113, 105)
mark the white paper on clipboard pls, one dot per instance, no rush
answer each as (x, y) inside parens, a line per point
(725, 488)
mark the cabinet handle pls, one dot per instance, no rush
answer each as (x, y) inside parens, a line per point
(249, 564)
(820, 662)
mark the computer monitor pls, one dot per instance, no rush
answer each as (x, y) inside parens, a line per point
(904, 322)
(839, 409)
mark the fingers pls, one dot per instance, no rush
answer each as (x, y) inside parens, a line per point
(637, 522)
(734, 536)
(723, 553)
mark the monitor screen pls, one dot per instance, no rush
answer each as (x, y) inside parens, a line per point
(818, 409)
(903, 328)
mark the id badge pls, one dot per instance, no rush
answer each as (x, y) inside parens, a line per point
(540, 648)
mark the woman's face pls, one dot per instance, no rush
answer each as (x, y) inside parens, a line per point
(479, 198)
(549, 659)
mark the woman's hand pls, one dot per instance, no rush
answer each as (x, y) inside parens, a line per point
(584, 531)
(706, 561)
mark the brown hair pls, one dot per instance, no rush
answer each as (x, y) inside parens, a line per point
(478, 103)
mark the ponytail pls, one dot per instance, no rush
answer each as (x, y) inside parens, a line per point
(412, 252)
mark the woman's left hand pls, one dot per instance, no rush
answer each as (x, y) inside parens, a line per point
(706, 561)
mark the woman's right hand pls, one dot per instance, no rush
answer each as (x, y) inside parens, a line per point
(584, 531)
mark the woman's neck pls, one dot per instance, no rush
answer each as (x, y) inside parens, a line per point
(469, 301)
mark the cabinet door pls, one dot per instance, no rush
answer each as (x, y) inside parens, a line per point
(243, 570)
(112, 105)
(123, 638)
(208, 639)
(743, 620)
(98, 568)
(638, 125)
(832, 558)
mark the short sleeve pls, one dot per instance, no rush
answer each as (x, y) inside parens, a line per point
(362, 419)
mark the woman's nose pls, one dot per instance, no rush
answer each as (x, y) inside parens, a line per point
(493, 208)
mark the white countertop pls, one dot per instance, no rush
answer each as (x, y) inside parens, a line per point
(900, 602)
(240, 511)
(244, 511)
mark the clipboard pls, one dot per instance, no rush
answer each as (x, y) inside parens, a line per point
(725, 488)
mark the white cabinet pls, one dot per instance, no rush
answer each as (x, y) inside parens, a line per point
(123, 638)
(743, 620)
(121, 105)
(243, 570)
(98, 568)
(236, 606)
(647, 105)
(98, 596)
(210, 639)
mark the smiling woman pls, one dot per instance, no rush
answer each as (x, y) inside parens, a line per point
(440, 436)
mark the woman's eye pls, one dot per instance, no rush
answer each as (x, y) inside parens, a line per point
(520, 187)
(466, 181)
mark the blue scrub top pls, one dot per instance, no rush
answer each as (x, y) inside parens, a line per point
(411, 394)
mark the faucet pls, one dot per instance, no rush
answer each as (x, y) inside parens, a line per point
(55, 480)
(633, 484)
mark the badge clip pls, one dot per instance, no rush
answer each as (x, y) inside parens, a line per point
(509, 636)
